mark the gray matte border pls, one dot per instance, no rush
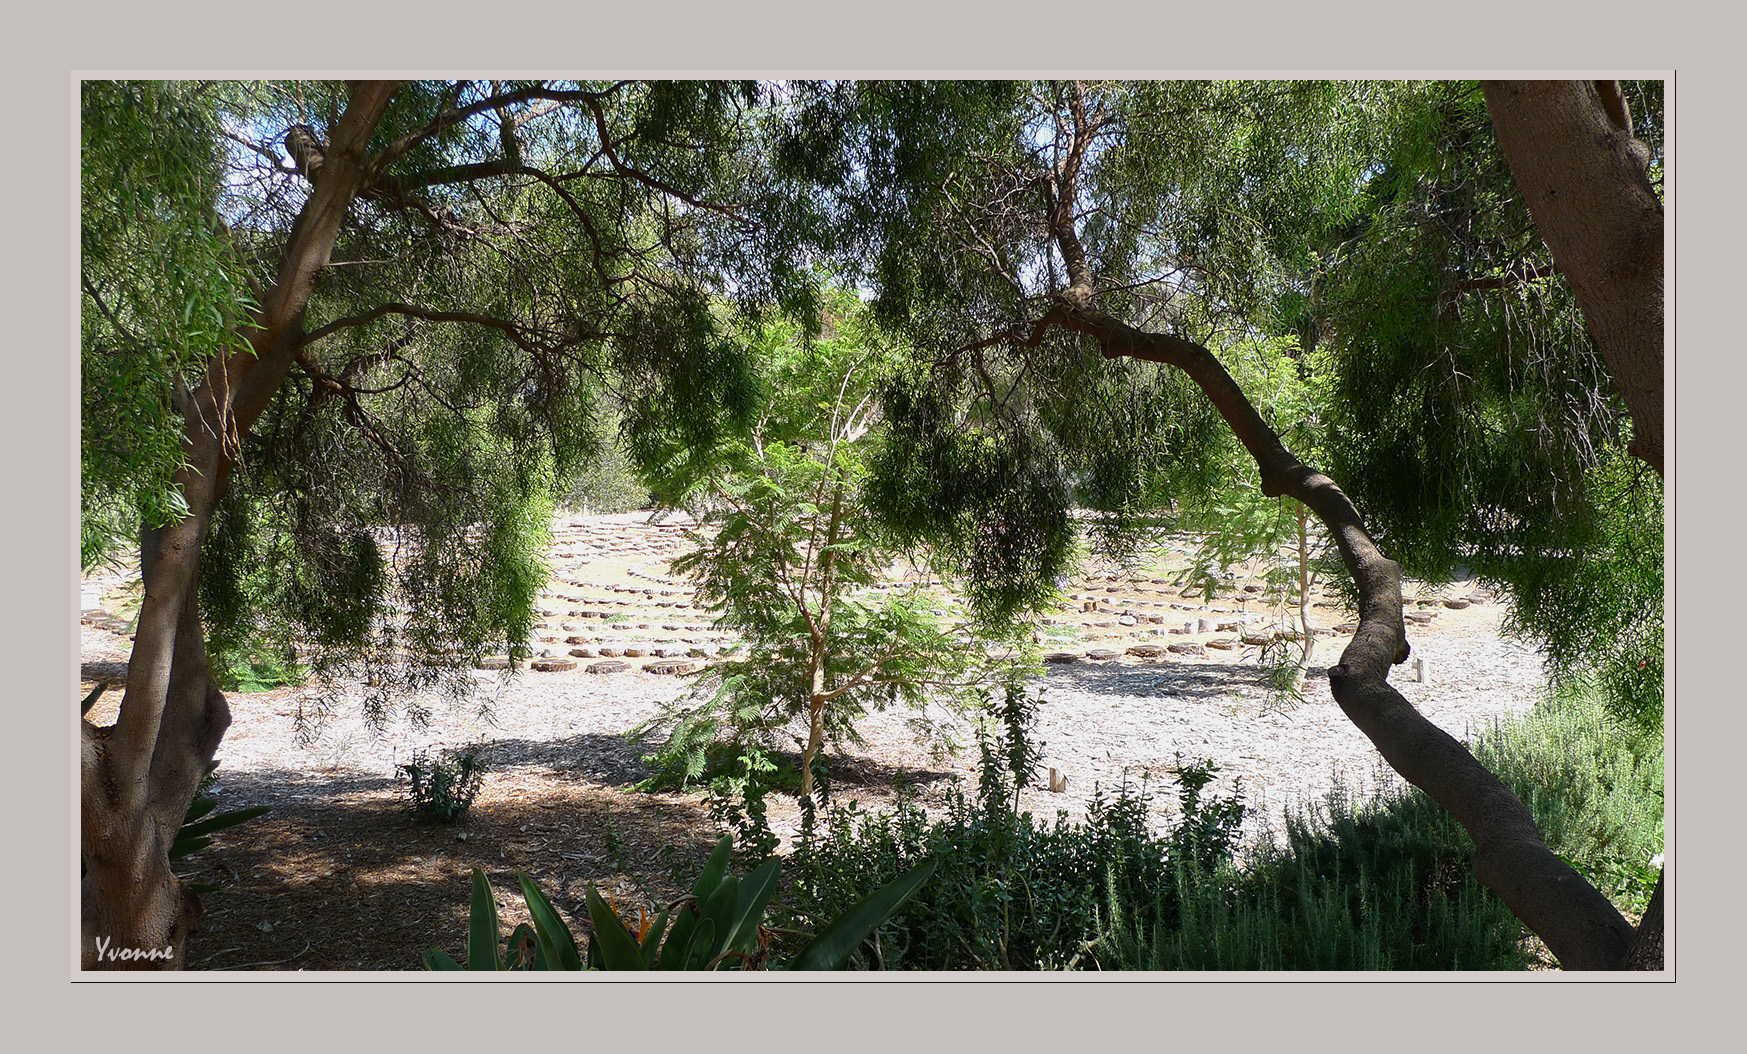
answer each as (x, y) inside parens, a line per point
(1130, 39)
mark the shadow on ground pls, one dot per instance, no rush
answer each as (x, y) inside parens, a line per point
(340, 877)
(349, 881)
(1202, 680)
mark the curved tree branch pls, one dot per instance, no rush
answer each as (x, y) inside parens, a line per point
(1578, 924)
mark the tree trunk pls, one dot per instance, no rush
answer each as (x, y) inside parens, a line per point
(815, 737)
(816, 701)
(139, 774)
(1570, 146)
(1309, 647)
(1646, 950)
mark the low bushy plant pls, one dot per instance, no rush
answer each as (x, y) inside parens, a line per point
(441, 787)
(1594, 782)
(736, 800)
(1012, 893)
(1388, 883)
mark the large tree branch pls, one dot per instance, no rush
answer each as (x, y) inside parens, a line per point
(1578, 924)
(235, 390)
(1061, 196)
(169, 719)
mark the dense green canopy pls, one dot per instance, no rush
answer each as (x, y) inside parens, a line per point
(1373, 226)
(535, 254)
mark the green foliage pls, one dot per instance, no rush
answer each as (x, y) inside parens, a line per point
(991, 502)
(1601, 613)
(1470, 415)
(256, 672)
(1207, 833)
(441, 787)
(1357, 255)
(790, 558)
(163, 289)
(465, 360)
(1594, 783)
(1012, 893)
(1200, 204)
(1388, 883)
(736, 800)
(609, 484)
(1010, 753)
(1384, 884)
(719, 925)
(1381, 887)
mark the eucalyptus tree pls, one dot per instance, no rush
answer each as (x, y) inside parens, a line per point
(1079, 260)
(333, 385)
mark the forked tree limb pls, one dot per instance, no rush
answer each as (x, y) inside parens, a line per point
(138, 775)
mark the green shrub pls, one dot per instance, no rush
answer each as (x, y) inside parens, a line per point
(1389, 884)
(441, 787)
(1594, 782)
(1012, 893)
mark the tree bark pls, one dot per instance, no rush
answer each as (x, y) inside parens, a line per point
(1647, 946)
(139, 774)
(1570, 146)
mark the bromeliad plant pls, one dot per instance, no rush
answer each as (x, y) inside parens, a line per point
(719, 925)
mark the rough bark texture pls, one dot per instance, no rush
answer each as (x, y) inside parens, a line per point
(1647, 947)
(139, 774)
(1570, 147)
